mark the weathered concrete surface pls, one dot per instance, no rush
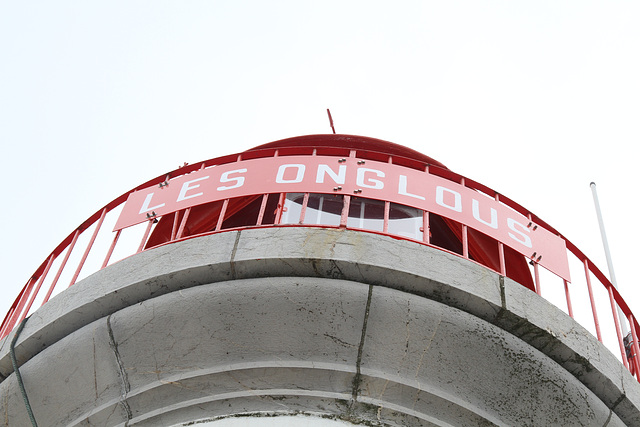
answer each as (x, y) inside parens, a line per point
(342, 323)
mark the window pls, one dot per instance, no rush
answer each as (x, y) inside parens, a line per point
(320, 209)
(323, 209)
(292, 208)
(405, 221)
(366, 213)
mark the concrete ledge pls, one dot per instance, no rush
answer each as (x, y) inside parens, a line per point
(405, 290)
(292, 251)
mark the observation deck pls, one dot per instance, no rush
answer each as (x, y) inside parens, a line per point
(332, 275)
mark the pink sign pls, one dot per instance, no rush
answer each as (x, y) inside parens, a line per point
(374, 180)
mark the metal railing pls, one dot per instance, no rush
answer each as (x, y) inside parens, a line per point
(90, 248)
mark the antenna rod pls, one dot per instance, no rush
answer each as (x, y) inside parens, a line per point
(607, 253)
(331, 121)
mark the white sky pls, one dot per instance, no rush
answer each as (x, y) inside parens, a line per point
(534, 99)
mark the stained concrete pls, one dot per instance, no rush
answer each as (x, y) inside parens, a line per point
(336, 323)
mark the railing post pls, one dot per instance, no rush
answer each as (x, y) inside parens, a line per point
(174, 227)
(34, 294)
(62, 266)
(280, 208)
(263, 206)
(634, 345)
(303, 209)
(183, 223)
(145, 236)
(593, 303)
(617, 325)
(385, 217)
(566, 293)
(465, 242)
(426, 231)
(503, 265)
(22, 299)
(5, 328)
(465, 234)
(111, 248)
(536, 275)
(344, 215)
(223, 212)
(88, 249)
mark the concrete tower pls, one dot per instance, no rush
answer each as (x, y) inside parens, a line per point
(335, 276)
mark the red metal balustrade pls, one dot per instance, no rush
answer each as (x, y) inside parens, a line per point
(333, 210)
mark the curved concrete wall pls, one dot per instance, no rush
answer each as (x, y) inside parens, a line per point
(336, 323)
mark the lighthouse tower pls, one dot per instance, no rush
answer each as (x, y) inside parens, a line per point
(335, 276)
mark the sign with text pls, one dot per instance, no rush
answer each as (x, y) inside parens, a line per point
(374, 180)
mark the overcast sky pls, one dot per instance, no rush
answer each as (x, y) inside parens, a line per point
(534, 99)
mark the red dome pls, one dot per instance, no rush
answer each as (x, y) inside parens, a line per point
(351, 142)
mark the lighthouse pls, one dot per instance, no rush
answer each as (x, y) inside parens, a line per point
(334, 276)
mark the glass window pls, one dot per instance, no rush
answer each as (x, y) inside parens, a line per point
(445, 233)
(366, 213)
(405, 221)
(269, 216)
(292, 208)
(242, 212)
(324, 209)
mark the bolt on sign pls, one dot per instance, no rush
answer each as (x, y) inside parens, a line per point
(370, 179)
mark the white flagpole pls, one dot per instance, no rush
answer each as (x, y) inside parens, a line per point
(612, 274)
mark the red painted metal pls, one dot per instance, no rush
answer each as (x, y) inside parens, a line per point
(345, 211)
(392, 160)
(501, 259)
(536, 272)
(616, 321)
(350, 143)
(426, 231)
(263, 207)
(89, 246)
(225, 205)
(465, 241)
(303, 209)
(465, 233)
(635, 350)
(63, 265)
(592, 300)
(111, 248)
(331, 121)
(183, 224)
(280, 208)
(369, 179)
(503, 265)
(18, 315)
(34, 294)
(385, 220)
(10, 318)
(145, 236)
(568, 297)
(174, 228)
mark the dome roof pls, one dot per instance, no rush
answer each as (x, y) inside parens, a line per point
(351, 141)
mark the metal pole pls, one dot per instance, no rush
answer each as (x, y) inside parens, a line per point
(612, 274)
(331, 121)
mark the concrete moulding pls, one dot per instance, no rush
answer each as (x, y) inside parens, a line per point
(335, 254)
(540, 324)
(471, 363)
(292, 251)
(294, 344)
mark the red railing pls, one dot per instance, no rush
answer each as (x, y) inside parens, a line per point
(103, 248)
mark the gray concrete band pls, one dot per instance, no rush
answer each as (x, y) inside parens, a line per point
(336, 322)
